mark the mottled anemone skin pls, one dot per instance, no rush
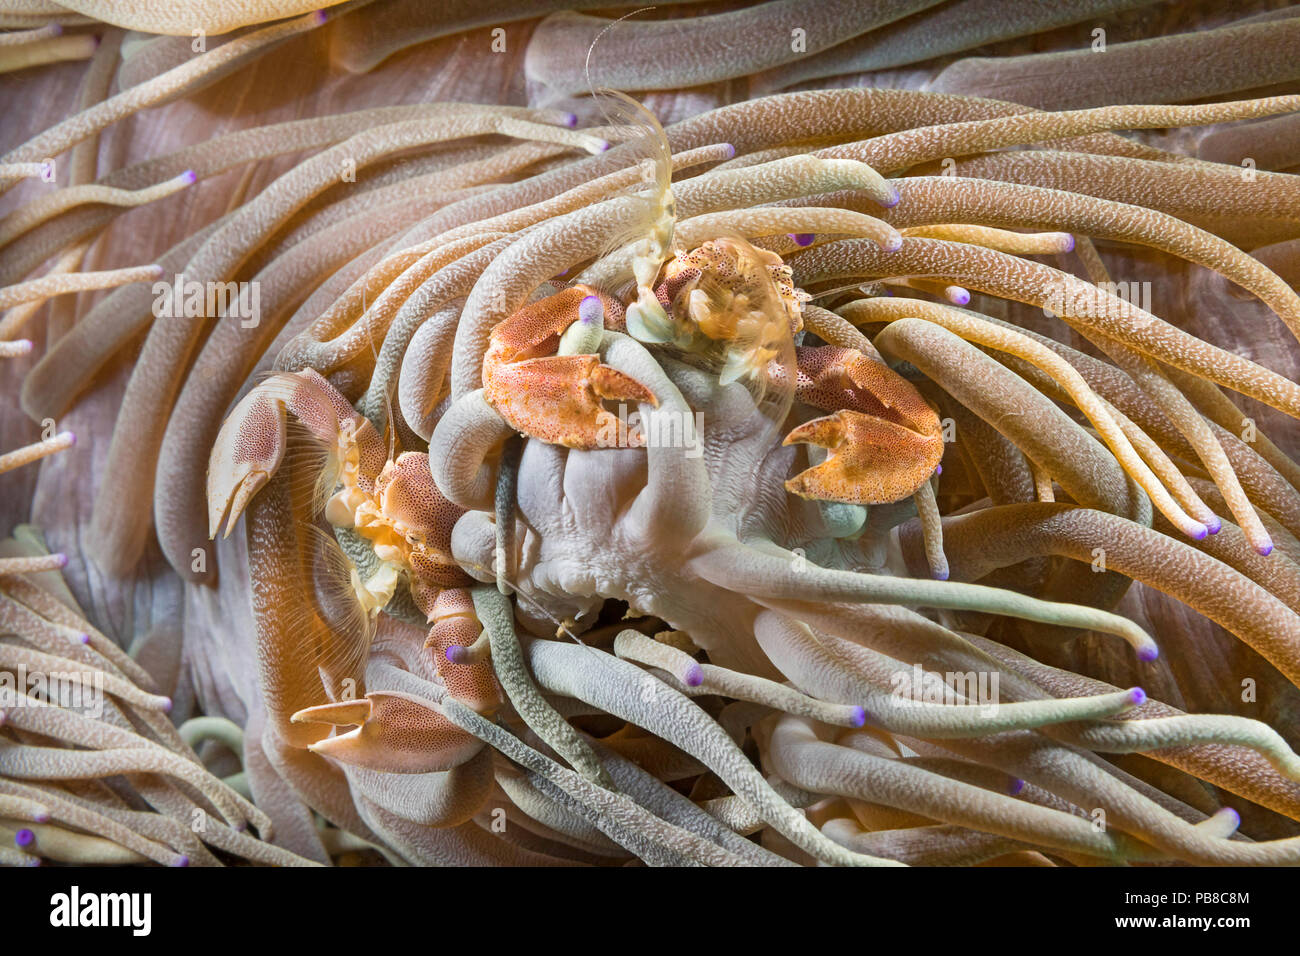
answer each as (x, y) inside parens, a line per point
(1006, 395)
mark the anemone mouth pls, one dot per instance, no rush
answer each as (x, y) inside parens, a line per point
(695, 645)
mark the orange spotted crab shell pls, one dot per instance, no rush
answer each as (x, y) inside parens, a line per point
(412, 522)
(725, 284)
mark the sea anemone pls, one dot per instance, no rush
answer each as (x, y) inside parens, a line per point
(777, 470)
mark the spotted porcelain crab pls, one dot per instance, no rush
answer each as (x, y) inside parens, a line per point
(736, 307)
(398, 527)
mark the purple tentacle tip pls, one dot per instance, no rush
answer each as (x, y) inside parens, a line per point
(1213, 524)
(960, 297)
(61, 560)
(454, 654)
(181, 860)
(1236, 817)
(24, 837)
(41, 817)
(802, 238)
(1265, 549)
(731, 150)
(857, 717)
(1069, 242)
(1148, 654)
(941, 575)
(1198, 532)
(320, 17)
(571, 120)
(1138, 696)
(591, 310)
(56, 30)
(603, 144)
(72, 438)
(1017, 785)
(694, 675)
(895, 197)
(190, 176)
(893, 243)
(167, 705)
(83, 639)
(938, 469)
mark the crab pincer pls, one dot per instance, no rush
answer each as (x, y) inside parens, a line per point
(395, 733)
(253, 439)
(557, 397)
(883, 439)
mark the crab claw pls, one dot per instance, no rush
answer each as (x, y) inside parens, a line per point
(252, 441)
(884, 439)
(246, 454)
(872, 461)
(555, 397)
(395, 733)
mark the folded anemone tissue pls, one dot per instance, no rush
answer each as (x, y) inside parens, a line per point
(812, 432)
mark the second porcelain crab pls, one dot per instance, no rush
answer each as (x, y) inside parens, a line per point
(735, 303)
